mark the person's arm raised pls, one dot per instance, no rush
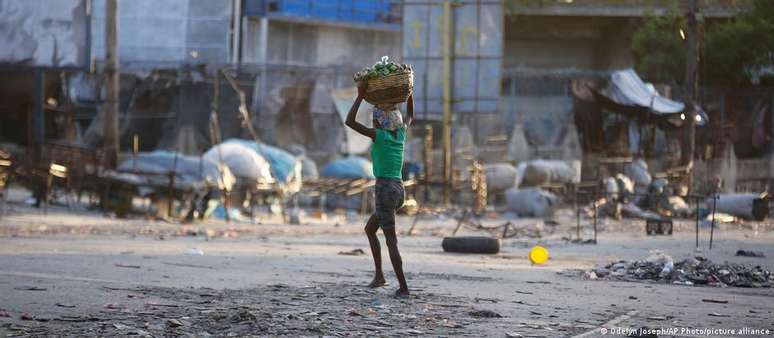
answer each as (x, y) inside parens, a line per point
(410, 110)
(351, 116)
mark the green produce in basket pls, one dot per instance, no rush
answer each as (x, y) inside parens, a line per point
(381, 68)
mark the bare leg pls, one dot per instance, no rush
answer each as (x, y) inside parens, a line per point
(370, 229)
(397, 263)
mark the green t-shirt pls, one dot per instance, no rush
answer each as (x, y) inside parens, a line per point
(387, 153)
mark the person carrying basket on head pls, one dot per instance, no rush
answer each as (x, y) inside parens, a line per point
(389, 136)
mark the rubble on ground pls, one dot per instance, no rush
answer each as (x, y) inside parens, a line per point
(324, 309)
(692, 271)
(750, 253)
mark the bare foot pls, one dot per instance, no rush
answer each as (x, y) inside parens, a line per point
(402, 293)
(377, 282)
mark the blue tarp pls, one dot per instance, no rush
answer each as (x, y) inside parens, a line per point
(282, 163)
(348, 167)
(626, 88)
(191, 171)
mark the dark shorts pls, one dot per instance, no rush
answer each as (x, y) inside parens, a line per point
(389, 198)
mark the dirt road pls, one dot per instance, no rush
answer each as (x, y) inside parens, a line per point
(87, 275)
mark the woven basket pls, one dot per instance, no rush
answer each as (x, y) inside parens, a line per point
(394, 88)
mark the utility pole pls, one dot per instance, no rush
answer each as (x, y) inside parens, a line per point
(112, 74)
(692, 81)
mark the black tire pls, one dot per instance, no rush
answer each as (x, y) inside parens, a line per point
(471, 244)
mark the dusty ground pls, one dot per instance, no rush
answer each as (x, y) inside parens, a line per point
(87, 275)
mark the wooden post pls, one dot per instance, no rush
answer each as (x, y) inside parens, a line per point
(215, 131)
(446, 39)
(577, 214)
(171, 188)
(135, 150)
(692, 83)
(712, 226)
(38, 118)
(110, 106)
(427, 155)
(697, 223)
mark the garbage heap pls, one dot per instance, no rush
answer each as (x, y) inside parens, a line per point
(691, 271)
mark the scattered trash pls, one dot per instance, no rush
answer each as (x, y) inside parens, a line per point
(189, 265)
(667, 269)
(29, 288)
(241, 316)
(194, 252)
(127, 266)
(717, 301)
(174, 323)
(485, 314)
(692, 271)
(491, 300)
(112, 306)
(122, 327)
(355, 252)
(749, 253)
(579, 241)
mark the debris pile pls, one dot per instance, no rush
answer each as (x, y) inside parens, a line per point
(691, 271)
(323, 309)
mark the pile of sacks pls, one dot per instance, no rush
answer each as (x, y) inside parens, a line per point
(692, 271)
(520, 184)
